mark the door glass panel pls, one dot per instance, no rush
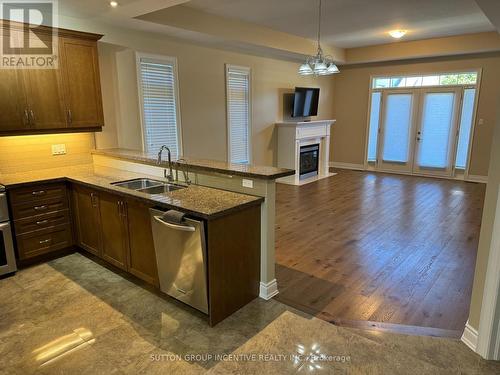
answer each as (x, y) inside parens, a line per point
(465, 128)
(374, 124)
(397, 128)
(436, 126)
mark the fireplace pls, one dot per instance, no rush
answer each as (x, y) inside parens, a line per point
(309, 161)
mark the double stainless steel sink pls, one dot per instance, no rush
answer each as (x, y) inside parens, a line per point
(148, 186)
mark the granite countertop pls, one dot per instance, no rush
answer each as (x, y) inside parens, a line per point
(244, 170)
(199, 201)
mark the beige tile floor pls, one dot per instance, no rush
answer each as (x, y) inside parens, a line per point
(73, 316)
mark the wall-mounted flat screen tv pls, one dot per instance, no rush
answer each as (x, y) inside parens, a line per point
(305, 102)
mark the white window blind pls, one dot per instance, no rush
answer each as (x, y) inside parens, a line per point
(238, 113)
(397, 128)
(374, 125)
(159, 104)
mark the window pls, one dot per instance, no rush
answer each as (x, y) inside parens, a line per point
(157, 78)
(374, 126)
(238, 113)
(446, 79)
(466, 121)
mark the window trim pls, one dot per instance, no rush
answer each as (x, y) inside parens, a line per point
(250, 127)
(162, 59)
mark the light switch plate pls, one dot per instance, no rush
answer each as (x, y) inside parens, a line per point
(480, 122)
(248, 183)
(59, 149)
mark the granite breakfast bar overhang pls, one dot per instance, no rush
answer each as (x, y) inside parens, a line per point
(221, 175)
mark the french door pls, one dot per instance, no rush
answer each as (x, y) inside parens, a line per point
(397, 131)
(418, 132)
(437, 131)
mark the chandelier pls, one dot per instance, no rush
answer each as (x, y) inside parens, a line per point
(318, 65)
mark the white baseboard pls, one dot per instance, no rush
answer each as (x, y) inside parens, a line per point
(477, 178)
(268, 290)
(469, 336)
(356, 167)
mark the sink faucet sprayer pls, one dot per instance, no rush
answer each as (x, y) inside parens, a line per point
(170, 176)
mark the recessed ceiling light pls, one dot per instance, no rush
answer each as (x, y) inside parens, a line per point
(114, 4)
(397, 34)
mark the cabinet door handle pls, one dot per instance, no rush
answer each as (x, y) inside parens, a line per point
(93, 200)
(70, 117)
(26, 117)
(41, 192)
(44, 241)
(40, 208)
(42, 222)
(32, 116)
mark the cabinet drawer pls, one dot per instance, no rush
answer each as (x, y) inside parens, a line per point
(41, 206)
(45, 241)
(41, 222)
(37, 193)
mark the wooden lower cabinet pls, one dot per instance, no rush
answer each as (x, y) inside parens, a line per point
(113, 230)
(41, 218)
(142, 256)
(117, 230)
(86, 219)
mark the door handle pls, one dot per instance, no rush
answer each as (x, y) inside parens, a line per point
(45, 241)
(26, 117)
(42, 222)
(185, 228)
(41, 192)
(40, 208)
(93, 200)
(70, 117)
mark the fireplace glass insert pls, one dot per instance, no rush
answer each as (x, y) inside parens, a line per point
(309, 161)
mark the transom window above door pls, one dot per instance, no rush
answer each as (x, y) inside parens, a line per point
(441, 79)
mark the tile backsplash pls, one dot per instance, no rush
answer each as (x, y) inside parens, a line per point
(34, 152)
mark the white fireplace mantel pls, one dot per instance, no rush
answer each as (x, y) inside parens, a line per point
(293, 135)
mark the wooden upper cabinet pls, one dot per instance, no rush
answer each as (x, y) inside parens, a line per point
(80, 66)
(34, 101)
(44, 93)
(13, 107)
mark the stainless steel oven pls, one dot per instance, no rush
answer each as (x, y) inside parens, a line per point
(7, 257)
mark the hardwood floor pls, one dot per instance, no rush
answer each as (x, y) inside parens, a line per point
(364, 246)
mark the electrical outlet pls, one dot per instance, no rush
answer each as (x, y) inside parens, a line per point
(248, 183)
(480, 122)
(59, 149)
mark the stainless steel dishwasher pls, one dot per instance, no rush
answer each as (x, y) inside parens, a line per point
(181, 257)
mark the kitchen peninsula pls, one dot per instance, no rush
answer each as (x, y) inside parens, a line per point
(240, 178)
(93, 207)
